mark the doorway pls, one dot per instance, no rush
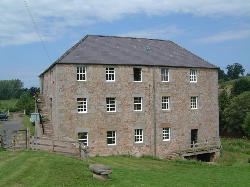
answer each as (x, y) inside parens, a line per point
(194, 136)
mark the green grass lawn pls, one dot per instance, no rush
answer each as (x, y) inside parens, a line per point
(29, 168)
(6, 104)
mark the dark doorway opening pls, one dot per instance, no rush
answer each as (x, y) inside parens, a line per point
(194, 136)
(205, 157)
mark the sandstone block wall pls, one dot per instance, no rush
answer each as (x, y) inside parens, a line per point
(67, 122)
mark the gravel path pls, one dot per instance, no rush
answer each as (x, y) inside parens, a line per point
(9, 128)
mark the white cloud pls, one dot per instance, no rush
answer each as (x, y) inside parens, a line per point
(225, 36)
(54, 16)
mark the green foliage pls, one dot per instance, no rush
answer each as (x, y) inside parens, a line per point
(26, 102)
(28, 124)
(246, 126)
(10, 89)
(222, 76)
(236, 112)
(241, 85)
(9, 105)
(235, 70)
(224, 101)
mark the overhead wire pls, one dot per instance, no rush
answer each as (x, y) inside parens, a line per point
(36, 29)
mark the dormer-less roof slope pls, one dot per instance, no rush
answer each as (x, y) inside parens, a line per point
(112, 50)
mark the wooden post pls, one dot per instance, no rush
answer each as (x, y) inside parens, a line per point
(53, 142)
(32, 142)
(14, 143)
(28, 138)
(80, 149)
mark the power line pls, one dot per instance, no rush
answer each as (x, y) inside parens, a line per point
(36, 28)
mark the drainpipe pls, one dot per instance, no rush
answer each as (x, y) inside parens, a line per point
(154, 110)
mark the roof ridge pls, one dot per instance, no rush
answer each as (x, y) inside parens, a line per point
(99, 35)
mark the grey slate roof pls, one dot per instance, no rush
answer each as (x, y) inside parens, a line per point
(113, 50)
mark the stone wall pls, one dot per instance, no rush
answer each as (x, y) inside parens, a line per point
(67, 122)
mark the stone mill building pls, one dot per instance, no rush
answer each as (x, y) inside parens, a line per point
(136, 96)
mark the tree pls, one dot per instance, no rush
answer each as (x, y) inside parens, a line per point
(224, 101)
(236, 112)
(246, 125)
(240, 86)
(26, 102)
(222, 76)
(10, 89)
(235, 70)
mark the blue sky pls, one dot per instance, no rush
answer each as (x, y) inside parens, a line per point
(216, 30)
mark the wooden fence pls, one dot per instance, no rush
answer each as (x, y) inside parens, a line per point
(65, 147)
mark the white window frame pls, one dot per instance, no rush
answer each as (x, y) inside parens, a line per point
(138, 135)
(165, 103)
(110, 74)
(166, 132)
(82, 105)
(112, 137)
(164, 75)
(194, 102)
(81, 71)
(134, 74)
(111, 106)
(137, 103)
(84, 139)
(193, 75)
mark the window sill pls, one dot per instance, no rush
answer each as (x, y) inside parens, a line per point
(166, 140)
(110, 81)
(165, 110)
(81, 80)
(82, 112)
(111, 145)
(193, 82)
(137, 81)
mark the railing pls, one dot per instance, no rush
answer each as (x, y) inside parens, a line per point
(66, 147)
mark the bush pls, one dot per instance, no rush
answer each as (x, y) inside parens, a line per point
(246, 125)
(236, 113)
(240, 86)
(26, 102)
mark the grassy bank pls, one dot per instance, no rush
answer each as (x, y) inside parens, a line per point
(8, 105)
(27, 123)
(30, 168)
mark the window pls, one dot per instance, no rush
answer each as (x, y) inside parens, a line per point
(194, 102)
(81, 73)
(110, 74)
(165, 103)
(137, 103)
(164, 75)
(138, 135)
(166, 134)
(110, 104)
(193, 75)
(83, 138)
(111, 137)
(137, 75)
(82, 105)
